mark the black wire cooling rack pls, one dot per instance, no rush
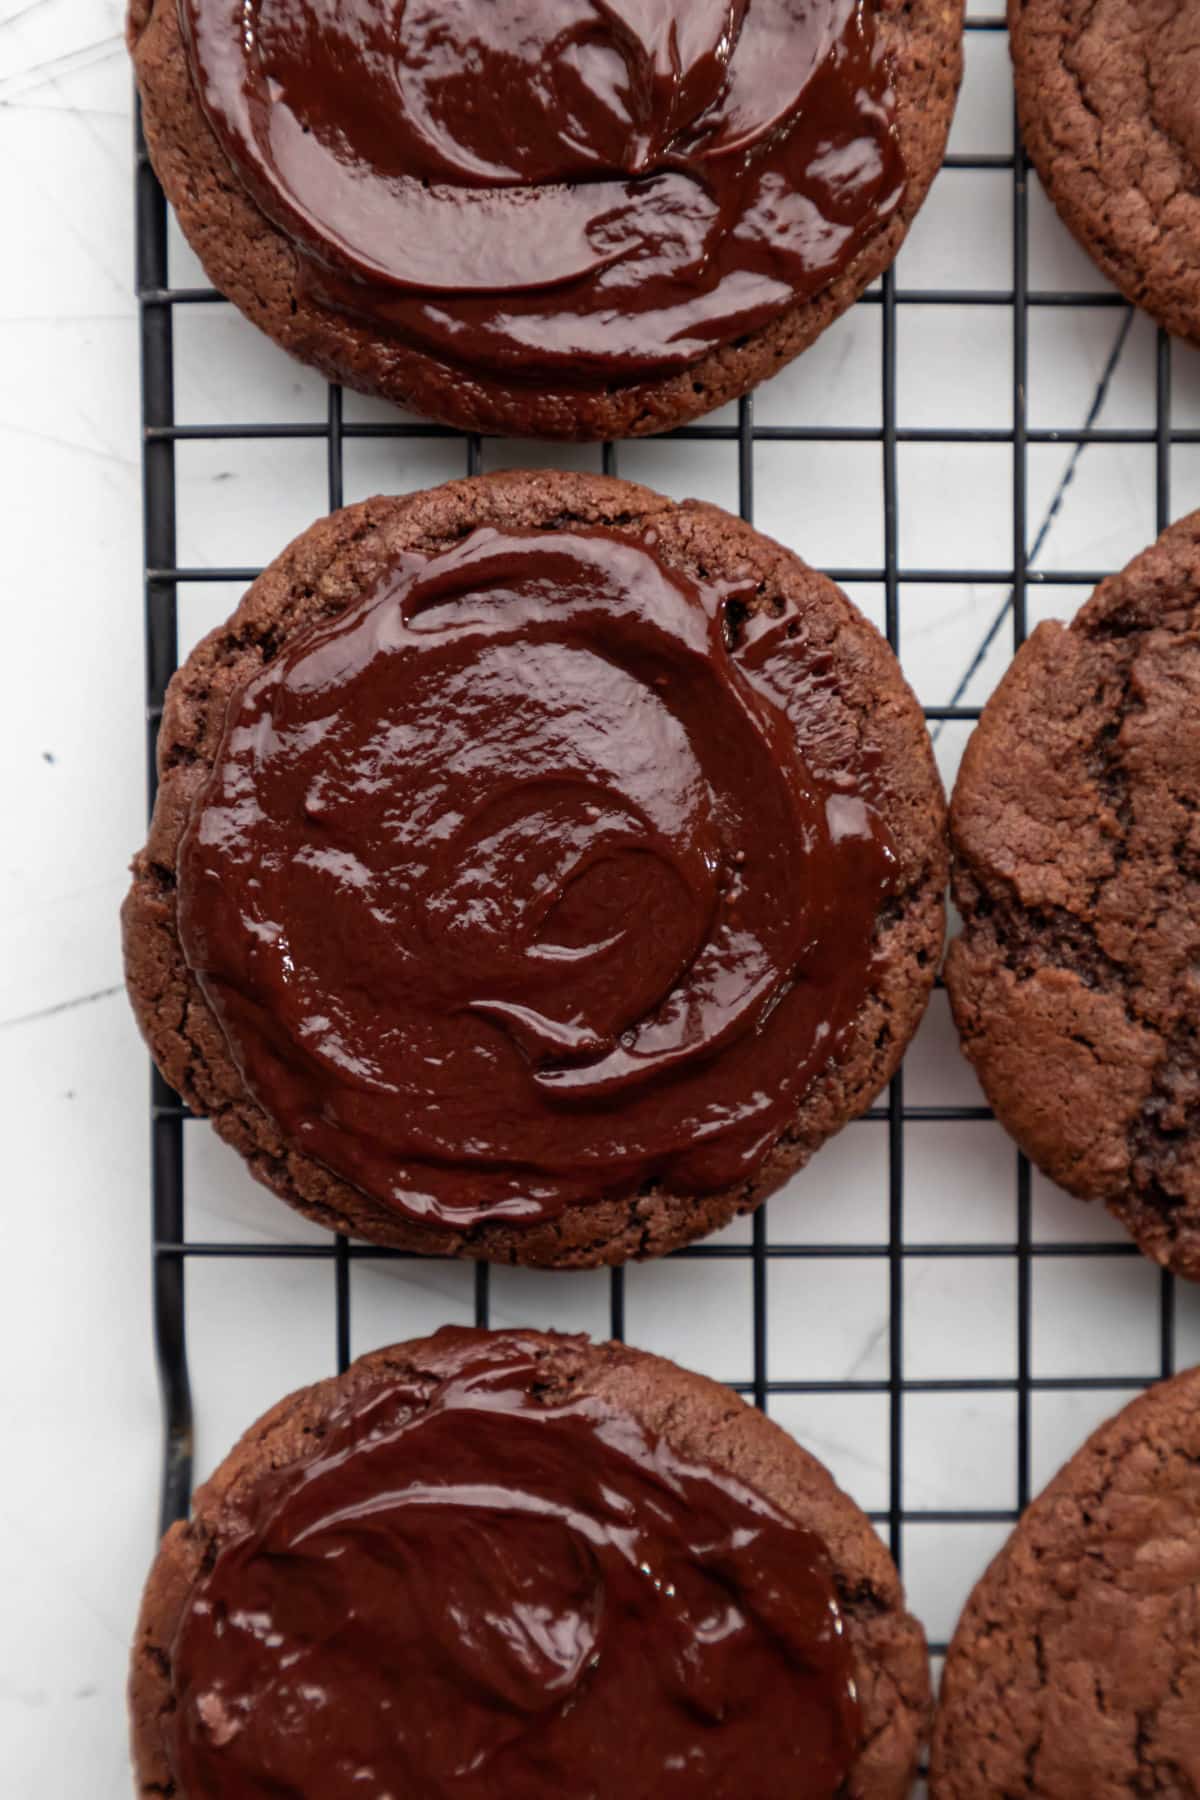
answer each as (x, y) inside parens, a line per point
(173, 1251)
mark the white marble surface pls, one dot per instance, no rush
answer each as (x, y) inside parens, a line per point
(79, 1410)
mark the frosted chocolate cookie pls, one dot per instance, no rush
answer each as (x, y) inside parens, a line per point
(511, 1564)
(541, 870)
(557, 218)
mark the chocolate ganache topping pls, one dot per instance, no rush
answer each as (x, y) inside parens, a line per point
(520, 883)
(477, 1591)
(599, 191)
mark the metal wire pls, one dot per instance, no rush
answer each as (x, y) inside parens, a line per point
(172, 1251)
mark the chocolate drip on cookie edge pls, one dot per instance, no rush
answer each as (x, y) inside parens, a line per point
(478, 1588)
(596, 190)
(510, 887)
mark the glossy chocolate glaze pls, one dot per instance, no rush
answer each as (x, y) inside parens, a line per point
(477, 1590)
(539, 874)
(598, 190)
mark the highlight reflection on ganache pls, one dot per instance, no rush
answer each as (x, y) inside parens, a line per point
(601, 190)
(476, 1590)
(510, 887)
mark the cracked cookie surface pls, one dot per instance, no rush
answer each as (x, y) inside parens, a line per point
(1074, 1673)
(698, 1418)
(1075, 827)
(1108, 93)
(325, 571)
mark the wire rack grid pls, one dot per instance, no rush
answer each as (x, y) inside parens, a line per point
(1010, 1260)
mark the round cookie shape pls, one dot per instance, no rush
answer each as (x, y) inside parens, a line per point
(1106, 94)
(646, 1581)
(1076, 868)
(1075, 1668)
(651, 1041)
(620, 219)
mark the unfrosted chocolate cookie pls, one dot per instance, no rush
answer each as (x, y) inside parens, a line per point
(541, 870)
(1076, 840)
(563, 219)
(1074, 1673)
(514, 1563)
(1107, 95)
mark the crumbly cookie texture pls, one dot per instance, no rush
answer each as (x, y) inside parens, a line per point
(318, 576)
(1075, 1670)
(699, 1418)
(1106, 91)
(1075, 827)
(252, 262)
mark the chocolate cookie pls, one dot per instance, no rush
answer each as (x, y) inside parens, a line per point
(1106, 92)
(540, 871)
(1077, 873)
(502, 1563)
(1074, 1673)
(564, 219)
